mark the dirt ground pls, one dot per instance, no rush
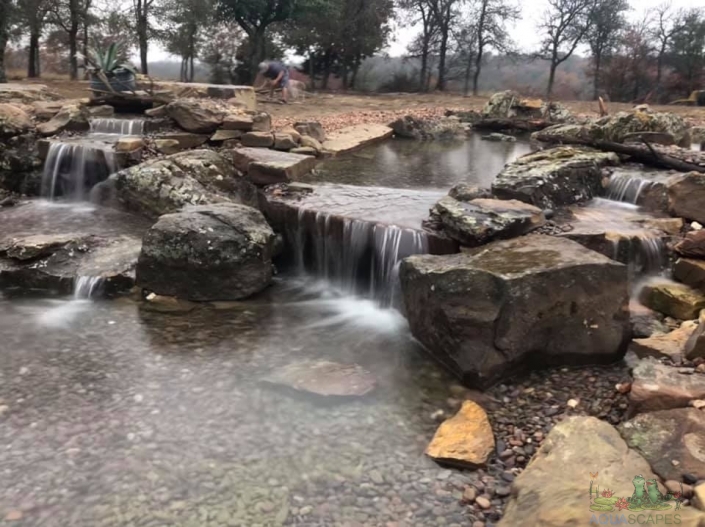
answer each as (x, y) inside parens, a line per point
(344, 109)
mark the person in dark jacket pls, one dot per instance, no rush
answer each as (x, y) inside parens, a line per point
(277, 74)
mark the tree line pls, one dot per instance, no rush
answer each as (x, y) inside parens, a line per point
(656, 57)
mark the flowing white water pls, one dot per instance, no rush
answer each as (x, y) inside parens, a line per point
(626, 187)
(117, 126)
(72, 167)
(86, 286)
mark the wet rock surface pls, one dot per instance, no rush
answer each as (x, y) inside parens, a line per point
(267, 167)
(511, 105)
(690, 272)
(671, 345)
(556, 177)
(482, 313)
(324, 378)
(673, 299)
(355, 137)
(165, 185)
(71, 117)
(442, 128)
(481, 221)
(205, 253)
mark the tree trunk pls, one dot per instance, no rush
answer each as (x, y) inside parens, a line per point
(551, 79)
(191, 74)
(85, 45)
(596, 77)
(356, 68)
(468, 70)
(326, 70)
(4, 23)
(345, 76)
(312, 71)
(33, 55)
(441, 85)
(478, 68)
(480, 47)
(424, 66)
(142, 34)
(258, 52)
(73, 38)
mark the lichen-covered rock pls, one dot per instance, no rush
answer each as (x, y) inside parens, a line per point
(623, 125)
(444, 128)
(72, 118)
(14, 121)
(511, 105)
(312, 129)
(165, 185)
(686, 196)
(466, 192)
(554, 178)
(481, 221)
(499, 138)
(483, 313)
(211, 252)
(673, 299)
(20, 164)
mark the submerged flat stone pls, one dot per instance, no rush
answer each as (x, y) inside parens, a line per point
(324, 378)
(266, 167)
(657, 386)
(668, 435)
(37, 245)
(466, 439)
(354, 137)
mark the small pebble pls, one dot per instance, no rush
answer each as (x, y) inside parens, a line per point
(483, 502)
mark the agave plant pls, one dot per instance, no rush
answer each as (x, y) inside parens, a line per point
(106, 61)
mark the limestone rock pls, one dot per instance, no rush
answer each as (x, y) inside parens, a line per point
(201, 116)
(261, 122)
(499, 138)
(295, 135)
(309, 142)
(673, 299)
(266, 167)
(660, 387)
(553, 178)
(205, 253)
(443, 128)
(692, 246)
(699, 497)
(14, 121)
(685, 196)
(235, 121)
(623, 125)
(690, 272)
(480, 221)
(226, 135)
(45, 110)
(283, 142)
(258, 140)
(20, 164)
(167, 146)
(511, 105)
(670, 345)
(695, 347)
(466, 192)
(104, 110)
(311, 129)
(305, 151)
(164, 185)
(324, 378)
(483, 313)
(666, 435)
(549, 495)
(129, 144)
(38, 245)
(354, 137)
(465, 440)
(185, 140)
(72, 117)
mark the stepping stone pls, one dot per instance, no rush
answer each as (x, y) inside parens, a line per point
(324, 378)
(354, 137)
(266, 167)
(465, 440)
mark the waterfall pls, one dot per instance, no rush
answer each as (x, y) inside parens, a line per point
(626, 188)
(117, 126)
(358, 256)
(72, 167)
(86, 286)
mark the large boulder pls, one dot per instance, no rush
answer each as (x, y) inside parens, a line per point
(657, 386)
(555, 177)
(165, 185)
(511, 105)
(71, 118)
(673, 299)
(686, 196)
(622, 126)
(266, 167)
(668, 435)
(549, 494)
(14, 121)
(443, 128)
(206, 253)
(480, 221)
(531, 299)
(201, 116)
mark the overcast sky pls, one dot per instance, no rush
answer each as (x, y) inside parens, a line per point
(524, 32)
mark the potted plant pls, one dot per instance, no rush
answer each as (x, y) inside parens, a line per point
(108, 71)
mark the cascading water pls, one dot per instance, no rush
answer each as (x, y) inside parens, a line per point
(86, 286)
(627, 188)
(117, 126)
(359, 257)
(71, 168)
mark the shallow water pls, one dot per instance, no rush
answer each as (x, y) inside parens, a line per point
(120, 416)
(422, 165)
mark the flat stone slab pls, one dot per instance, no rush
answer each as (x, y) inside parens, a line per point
(657, 386)
(324, 378)
(672, 345)
(354, 137)
(548, 493)
(266, 167)
(668, 435)
(690, 272)
(242, 94)
(465, 440)
(673, 299)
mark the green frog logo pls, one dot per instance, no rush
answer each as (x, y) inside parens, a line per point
(646, 497)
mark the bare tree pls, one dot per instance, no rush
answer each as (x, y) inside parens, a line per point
(491, 31)
(6, 8)
(32, 15)
(143, 12)
(446, 13)
(606, 24)
(664, 27)
(565, 24)
(425, 43)
(68, 15)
